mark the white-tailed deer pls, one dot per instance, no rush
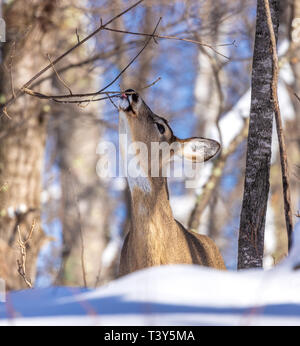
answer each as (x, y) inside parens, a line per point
(155, 237)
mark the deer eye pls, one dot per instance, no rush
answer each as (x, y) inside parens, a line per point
(134, 97)
(161, 128)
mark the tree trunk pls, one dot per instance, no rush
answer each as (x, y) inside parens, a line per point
(22, 137)
(85, 206)
(256, 188)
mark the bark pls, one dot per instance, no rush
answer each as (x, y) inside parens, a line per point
(256, 187)
(291, 126)
(279, 127)
(21, 155)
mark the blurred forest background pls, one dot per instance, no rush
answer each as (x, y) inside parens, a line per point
(48, 150)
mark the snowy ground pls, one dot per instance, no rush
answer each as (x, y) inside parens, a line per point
(167, 295)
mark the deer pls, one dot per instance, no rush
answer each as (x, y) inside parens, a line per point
(155, 237)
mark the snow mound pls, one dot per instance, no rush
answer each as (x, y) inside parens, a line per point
(166, 295)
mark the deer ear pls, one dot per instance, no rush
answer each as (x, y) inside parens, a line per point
(198, 149)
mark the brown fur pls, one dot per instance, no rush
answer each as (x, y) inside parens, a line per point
(155, 237)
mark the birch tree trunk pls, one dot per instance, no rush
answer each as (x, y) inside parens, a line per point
(256, 187)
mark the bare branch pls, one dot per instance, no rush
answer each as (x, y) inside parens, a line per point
(58, 98)
(27, 84)
(4, 111)
(98, 56)
(58, 76)
(22, 262)
(131, 62)
(77, 35)
(174, 38)
(281, 140)
(65, 98)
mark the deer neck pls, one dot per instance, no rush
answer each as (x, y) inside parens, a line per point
(148, 205)
(152, 217)
(153, 225)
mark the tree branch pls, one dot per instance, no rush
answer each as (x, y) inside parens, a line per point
(58, 98)
(21, 91)
(279, 127)
(22, 262)
(173, 38)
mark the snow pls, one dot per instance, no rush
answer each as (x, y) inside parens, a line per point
(168, 295)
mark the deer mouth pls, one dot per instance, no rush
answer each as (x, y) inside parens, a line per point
(124, 104)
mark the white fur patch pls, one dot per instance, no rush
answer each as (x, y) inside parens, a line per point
(136, 176)
(140, 182)
(123, 103)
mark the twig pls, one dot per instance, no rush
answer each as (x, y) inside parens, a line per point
(22, 262)
(36, 76)
(112, 102)
(98, 56)
(151, 84)
(131, 62)
(65, 98)
(174, 38)
(58, 76)
(77, 35)
(281, 140)
(101, 91)
(25, 87)
(4, 111)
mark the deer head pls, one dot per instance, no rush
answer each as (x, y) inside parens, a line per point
(153, 133)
